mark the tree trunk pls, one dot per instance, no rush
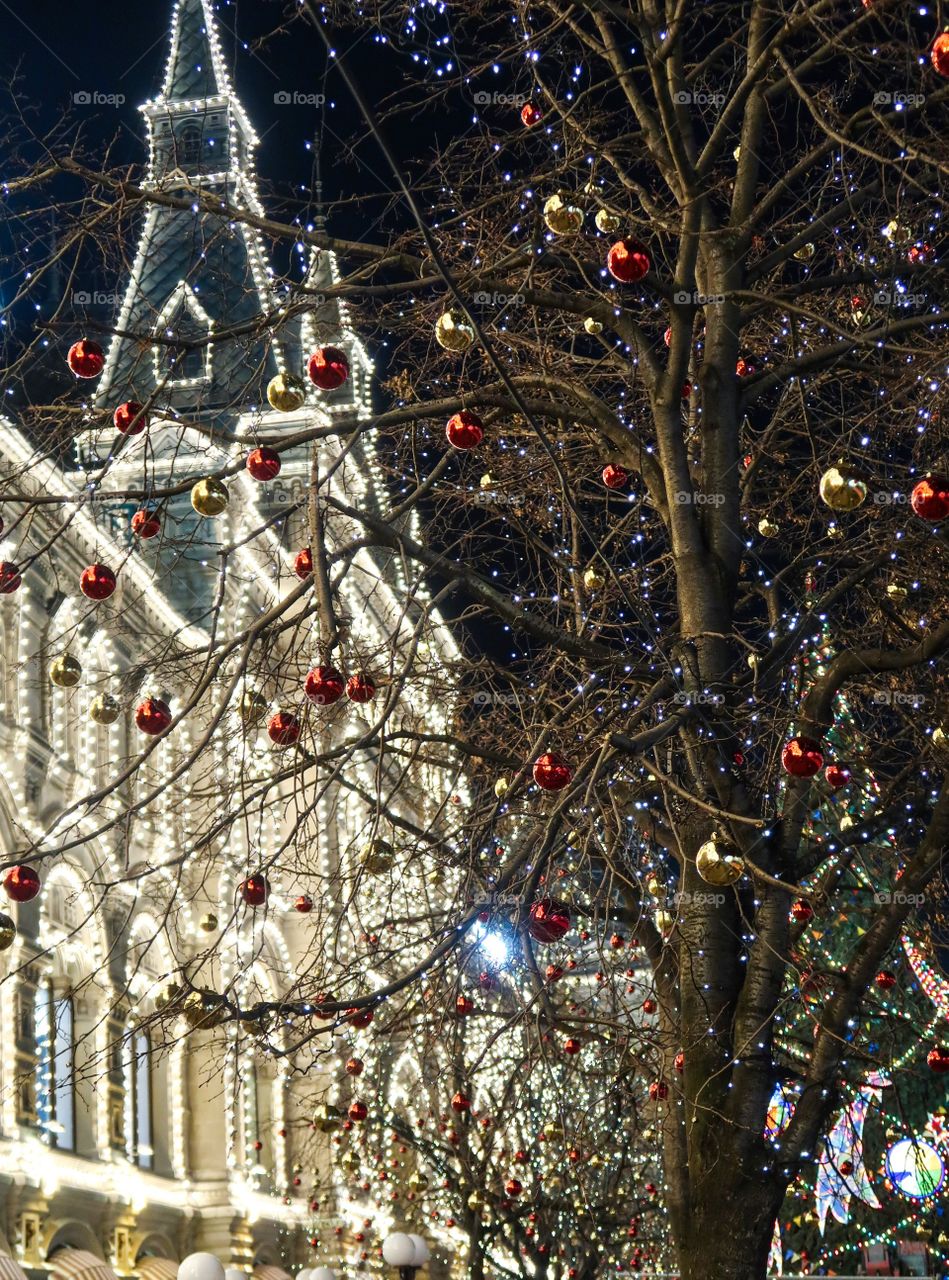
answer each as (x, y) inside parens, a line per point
(729, 1238)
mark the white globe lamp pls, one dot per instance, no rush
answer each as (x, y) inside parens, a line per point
(201, 1266)
(399, 1250)
(422, 1253)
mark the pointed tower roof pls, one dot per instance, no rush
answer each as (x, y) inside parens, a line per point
(195, 66)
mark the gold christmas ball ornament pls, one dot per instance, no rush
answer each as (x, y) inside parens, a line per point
(501, 787)
(7, 932)
(327, 1118)
(168, 995)
(897, 233)
(805, 253)
(104, 709)
(590, 187)
(418, 1181)
(593, 580)
(378, 856)
(562, 217)
(736, 154)
(653, 887)
(896, 592)
(718, 863)
(252, 706)
(476, 1201)
(940, 741)
(454, 331)
(664, 920)
(767, 528)
(286, 392)
(209, 497)
(606, 222)
(486, 481)
(841, 489)
(204, 1010)
(208, 923)
(65, 671)
(593, 326)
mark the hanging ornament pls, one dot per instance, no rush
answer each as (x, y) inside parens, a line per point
(104, 709)
(658, 1091)
(930, 498)
(454, 331)
(86, 358)
(208, 923)
(328, 368)
(358, 1111)
(464, 430)
(837, 776)
(885, 980)
(10, 579)
(562, 216)
(460, 1103)
(326, 1117)
(593, 580)
(324, 685)
(286, 392)
(841, 489)
(130, 418)
(548, 920)
(153, 716)
(531, 114)
(897, 233)
(464, 1005)
(606, 222)
(360, 688)
(939, 54)
(66, 671)
(513, 1188)
(209, 497)
(378, 856)
(802, 911)
(678, 1062)
(938, 1059)
(718, 863)
(145, 523)
(614, 476)
(21, 883)
(501, 787)
(303, 903)
(251, 706)
(805, 252)
(97, 582)
(896, 592)
(284, 729)
(354, 1067)
(572, 1046)
(7, 932)
(744, 368)
(919, 254)
(628, 261)
(263, 463)
(767, 528)
(802, 757)
(593, 326)
(551, 772)
(303, 563)
(255, 890)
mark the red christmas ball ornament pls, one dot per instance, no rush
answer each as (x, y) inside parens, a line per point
(885, 980)
(460, 1103)
(551, 772)
(548, 920)
(303, 563)
(358, 1111)
(463, 1006)
(846, 1167)
(464, 430)
(486, 981)
(938, 1059)
(263, 463)
(617, 941)
(837, 775)
(686, 389)
(97, 582)
(145, 523)
(129, 418)
(86, 358)
(255, 890)
(153, 716)
(658, 1091)
(324, 685)
(920, 253)
(360, 688)
(939, 54)
(572, 1045)
(930, 499)
(284, 729)
(802, 757)
(667, 336)
(614, 477)
(328, 368)
(359, 1018)
(802, 911)
(649, 1005)
(10, 579)
(513, 1188)
(354, 1067)
(744, 368)
(628, 261)
(303, 903)
(553, 973)
(21, 883)
(679, 1062)
(531, 114)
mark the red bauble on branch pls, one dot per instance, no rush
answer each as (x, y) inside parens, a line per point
(354, 1067)
(153, 716)
(284, 728)
(938, 1059)
(358, 1111)
(802, 911)
(802, 757)
(553, 973)
(129, 418)
(360, 688)
(551, 772)
(10, 579)
(531, 114)
(255, 890)
(939, 54)
(324, 685)
(548, 920)
(359, 1018)
(628, 261)
(837, 775)
(460, 1103)
(885, 980)
(614, 477)
(679, 1062)
(145, 523)
(97, 582)
(21, 884)
(303, 903)
(464, 430)
(463, 1006)
(86, 358)
(328, 368)
(263, 463)
(658, 1091)
(930, 499)
(513, 1187)
(303, 563)
(571, 1046)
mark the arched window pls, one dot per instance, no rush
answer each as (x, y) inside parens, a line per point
(56, 1051)
(190, 146)
(138, 1097)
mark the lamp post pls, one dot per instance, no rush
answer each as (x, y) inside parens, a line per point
(408, 1252)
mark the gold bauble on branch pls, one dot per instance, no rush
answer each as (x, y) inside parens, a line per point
(378, 856)
(418, 1181)
(476, 1201)
(209, 497)
(940, 741)
(664, 920)
(606, 222)
(562, 216)
(593, 326)
(208, 923)
(169, 994)
(593, 580)
(842, 489)
(252, 706)
(501, 787)
(805, 252)
(286, 392)
(104, 709)
(897, 232)
(204, 1010)
(486, 481)
(454, 331)
(553, 1131)
(718, 863)
(767, 528)
(7, 932)
(896, 592)
(327, 1118)
(65, 671)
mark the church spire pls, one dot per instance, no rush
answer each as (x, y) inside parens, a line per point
(195, 65)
